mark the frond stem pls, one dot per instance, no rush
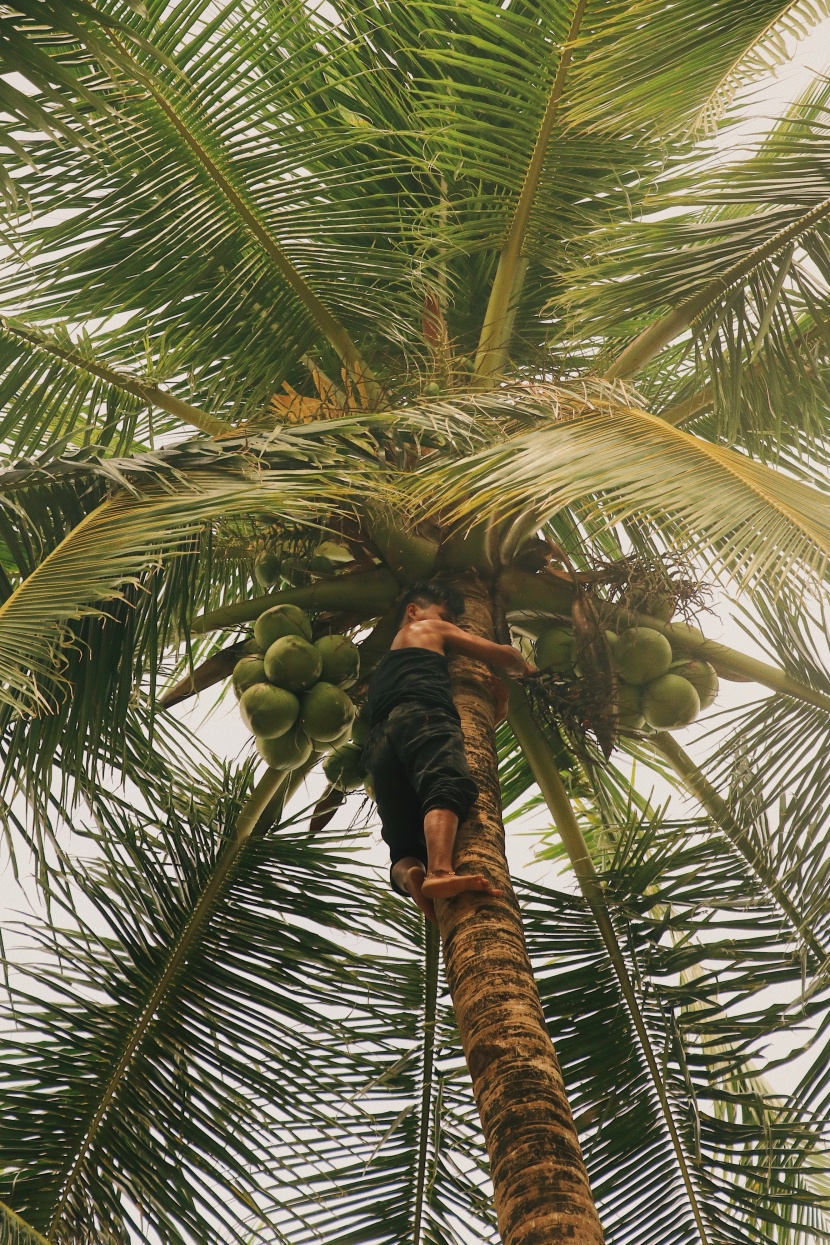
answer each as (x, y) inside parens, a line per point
(329, 325)
(148, 391)
(369, 593)
(683, 411)
(652, 340)
(430, 1007)
(272, 784)
(498, 319)
(699, 786)
(31, 1236)
(545, 770)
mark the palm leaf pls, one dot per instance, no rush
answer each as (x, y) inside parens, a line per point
(615, 462)
(736, 266)
(497, 326)
(15, 1231)
(69, 401)
(107, 550)
(190, 267)
(679, 68)
(137, 1041)
(762, 757)
(188, 918)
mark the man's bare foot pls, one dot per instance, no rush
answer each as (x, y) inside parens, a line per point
(442, 884)
(415, 885)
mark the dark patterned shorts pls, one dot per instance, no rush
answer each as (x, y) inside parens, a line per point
(417, 762)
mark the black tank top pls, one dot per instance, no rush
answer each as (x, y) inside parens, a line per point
(410, 674)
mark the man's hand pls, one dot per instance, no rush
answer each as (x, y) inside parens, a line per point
(515, 665)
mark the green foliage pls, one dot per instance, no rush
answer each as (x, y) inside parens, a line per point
(279, 1065)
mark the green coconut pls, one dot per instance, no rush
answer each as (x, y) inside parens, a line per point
(326, 712)
(629, 702)
(343, 767)
(293, 663)
(612, 637)
(703, 678)
(656, 603)
(360, 728)
(268, 711)
(267, 570)
(247, 672)
(369, 787)
(670, 702)
(287, 752)
(323, 749)
(278, 621)
(432, 390)
(642, 655)
(555, 649)
(340, 659)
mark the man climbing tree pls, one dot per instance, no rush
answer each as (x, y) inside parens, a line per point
(415, 751)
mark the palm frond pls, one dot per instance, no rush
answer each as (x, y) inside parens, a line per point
(15, 1231)
(76, 1176)
(734, 264)
(108, 550)
(236, 198)
(696, 977)
(56, 48)
(615, 462)
(676, 68)
(325, 1136)
(764, 246)
(763, 758)
(769, 49)
(263, 985)
(81, 402)
(497, 327)
(316, 96)
(723, 816)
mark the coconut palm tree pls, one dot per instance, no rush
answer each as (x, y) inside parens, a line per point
(357, 294)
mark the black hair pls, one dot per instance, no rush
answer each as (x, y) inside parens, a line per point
(433, 592)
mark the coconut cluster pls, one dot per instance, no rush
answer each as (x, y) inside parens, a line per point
(292, 693)
(658, 686)
(343, 767)
(324, 559)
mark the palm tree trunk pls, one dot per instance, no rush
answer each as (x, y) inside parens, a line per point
(542, 1194)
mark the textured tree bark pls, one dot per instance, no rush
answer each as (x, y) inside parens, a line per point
(542, 1194)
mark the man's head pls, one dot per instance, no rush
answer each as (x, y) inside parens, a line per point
(430, 599)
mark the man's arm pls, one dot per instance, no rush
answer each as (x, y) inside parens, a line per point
(502, 656)
(501, 695)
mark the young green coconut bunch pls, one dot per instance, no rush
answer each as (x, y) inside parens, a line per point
(292, 697)
(616, 675)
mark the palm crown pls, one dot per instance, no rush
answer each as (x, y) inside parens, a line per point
(435, 279)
